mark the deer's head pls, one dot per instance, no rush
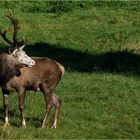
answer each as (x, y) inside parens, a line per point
(16, 47)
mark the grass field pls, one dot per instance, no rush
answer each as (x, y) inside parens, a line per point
(100, 90)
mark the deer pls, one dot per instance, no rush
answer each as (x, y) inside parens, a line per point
(43, 76)
(14, 58)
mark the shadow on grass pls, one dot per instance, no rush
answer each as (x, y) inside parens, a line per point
(11, 113)
(34, 121)
(112, 62)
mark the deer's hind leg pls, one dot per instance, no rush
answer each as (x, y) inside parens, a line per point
(48, 100)
(57, 104)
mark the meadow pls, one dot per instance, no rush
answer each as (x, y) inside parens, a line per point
(99, 45)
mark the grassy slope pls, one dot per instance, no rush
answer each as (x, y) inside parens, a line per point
(100, 104)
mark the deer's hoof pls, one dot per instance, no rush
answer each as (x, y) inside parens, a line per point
(23, 126)
(43, 126)
(6, 125)
(53, 126)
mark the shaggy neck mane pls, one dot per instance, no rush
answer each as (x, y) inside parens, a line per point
(7, 68)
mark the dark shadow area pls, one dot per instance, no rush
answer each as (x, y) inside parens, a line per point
(112, 62)
(32, 121)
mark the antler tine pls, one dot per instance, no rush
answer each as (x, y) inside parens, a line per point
(3, 34)
(16, 26)
(21, 42)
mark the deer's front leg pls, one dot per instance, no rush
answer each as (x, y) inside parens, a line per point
(22, 95)
(5, 106)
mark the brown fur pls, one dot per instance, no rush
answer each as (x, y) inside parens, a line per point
(44, 76)
(8, 67)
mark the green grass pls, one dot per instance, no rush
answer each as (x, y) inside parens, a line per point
(94, 106)
(100, 90)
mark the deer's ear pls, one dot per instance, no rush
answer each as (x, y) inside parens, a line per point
(17, 69)
(21, 48)
(10, 50)
(14, 51)
(17, 72)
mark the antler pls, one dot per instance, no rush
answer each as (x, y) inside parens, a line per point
(3, 34)
(16, 27)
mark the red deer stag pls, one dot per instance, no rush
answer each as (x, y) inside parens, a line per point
(14, 58)
(43, 76)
